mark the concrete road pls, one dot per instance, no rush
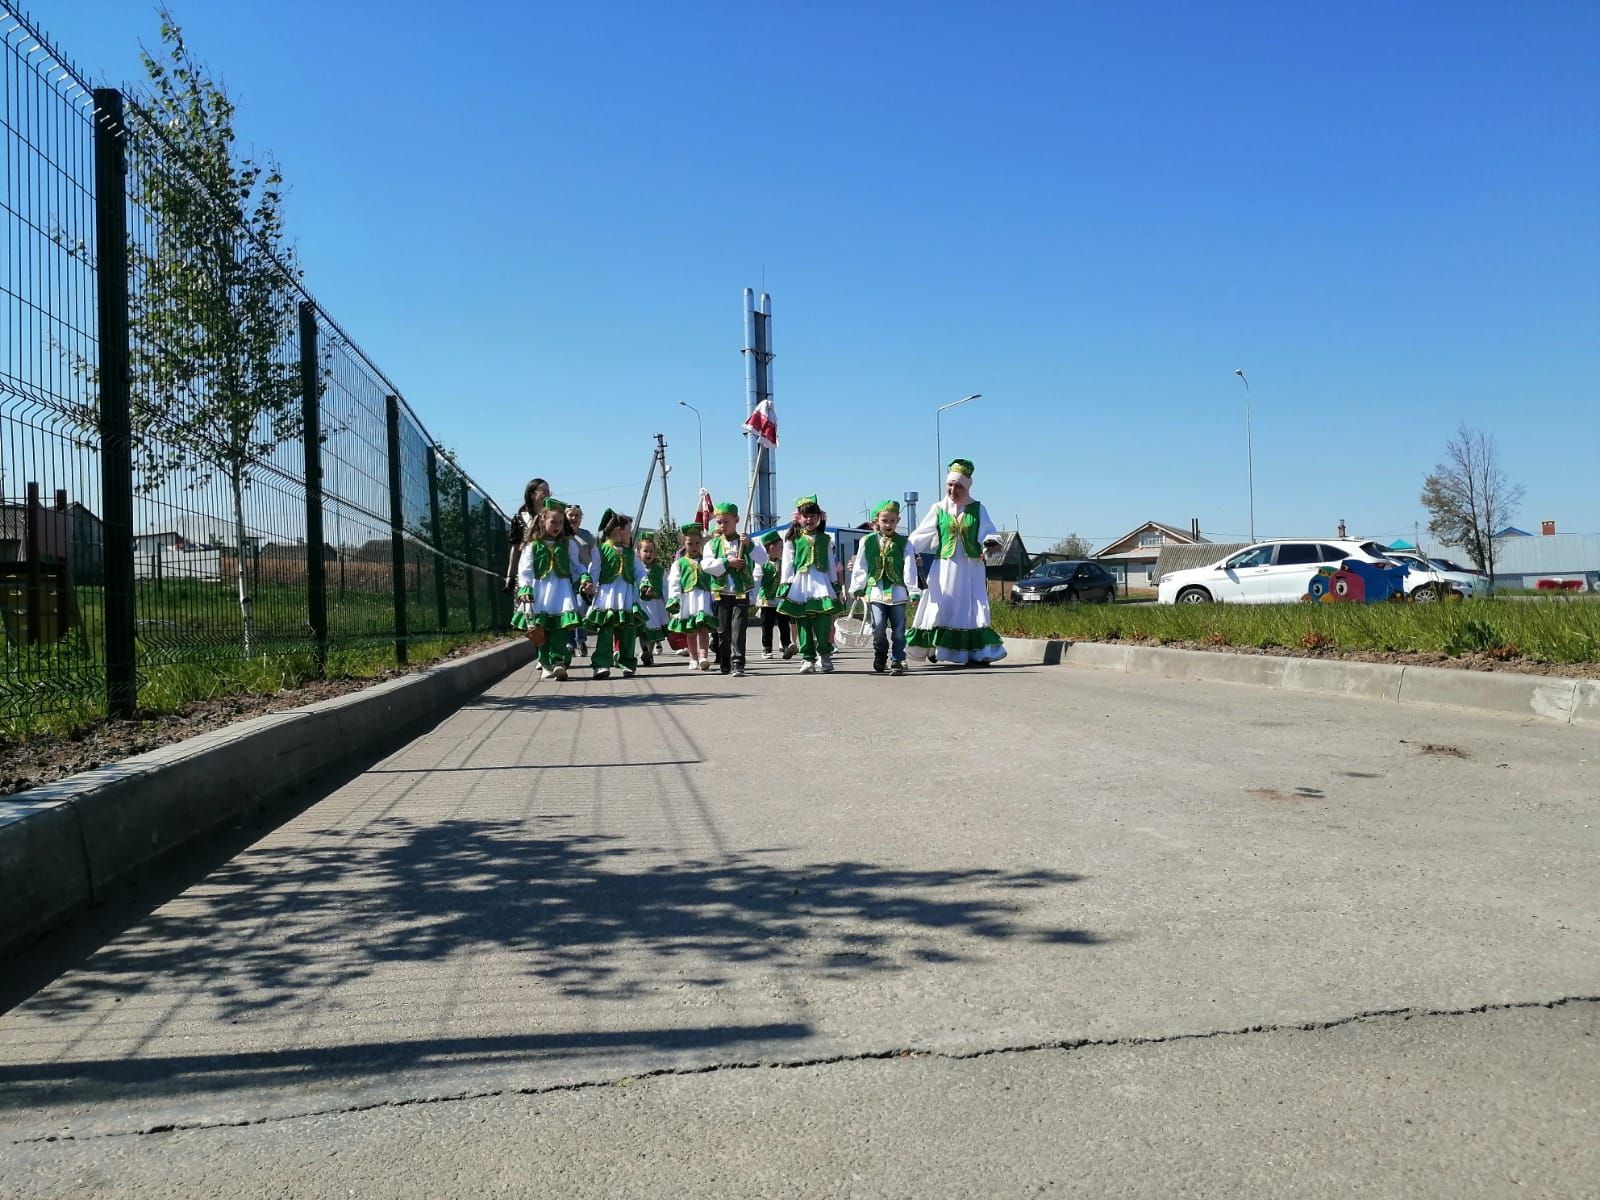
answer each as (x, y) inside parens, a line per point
(1034, 929)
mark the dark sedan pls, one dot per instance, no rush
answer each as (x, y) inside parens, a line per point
(1066, 583)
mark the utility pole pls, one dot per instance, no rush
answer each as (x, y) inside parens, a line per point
(658, 460)
(758, 387)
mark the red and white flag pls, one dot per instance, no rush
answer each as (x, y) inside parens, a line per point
(706, 510)
(764, 424)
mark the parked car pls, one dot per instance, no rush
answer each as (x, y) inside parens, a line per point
(1278, 572)
(1066, 583)
(1465, 580)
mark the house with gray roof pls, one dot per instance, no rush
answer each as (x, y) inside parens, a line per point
(1132, 557)
(1522, 561)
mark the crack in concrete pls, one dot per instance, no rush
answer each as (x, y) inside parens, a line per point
(1067, 1044)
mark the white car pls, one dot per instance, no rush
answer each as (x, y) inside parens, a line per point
(1277, 572)
(1468, 583)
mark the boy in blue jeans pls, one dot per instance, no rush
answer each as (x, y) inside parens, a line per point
(884, 572)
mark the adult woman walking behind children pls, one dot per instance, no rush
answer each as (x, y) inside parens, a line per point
(952, 622)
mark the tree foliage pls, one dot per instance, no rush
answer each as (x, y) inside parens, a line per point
(1468, 496)
(214, 365)
(1073, 546)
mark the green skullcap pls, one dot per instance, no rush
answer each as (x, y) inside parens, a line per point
(962, 466)
(727, 507)
(887, 506)
(805, 500)
(552, 502)
(605, 517)
(692, 527)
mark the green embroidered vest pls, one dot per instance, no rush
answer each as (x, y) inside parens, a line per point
(550, 558)
(742, 580)
(811, 553)
(656, 576)
(691, 576)
(964, 527)
(769, 580)
(615, 562)
(889, 573)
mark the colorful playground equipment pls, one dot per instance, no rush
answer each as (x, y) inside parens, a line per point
(1357, 582)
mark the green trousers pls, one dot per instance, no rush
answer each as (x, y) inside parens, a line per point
(616, 648)
(815, 635)
(557, 649)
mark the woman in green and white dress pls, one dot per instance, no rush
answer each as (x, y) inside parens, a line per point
(807, 591)
(952, 622)
(614, 615)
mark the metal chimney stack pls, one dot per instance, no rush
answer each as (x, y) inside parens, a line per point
(758, 387)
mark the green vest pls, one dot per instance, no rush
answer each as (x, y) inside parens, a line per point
(968, 532)
(656, 577)
(691, 576)
(886, 573)
(551, 558)
(811, 553)
(769, 580)
(738, 582)
(615, 562)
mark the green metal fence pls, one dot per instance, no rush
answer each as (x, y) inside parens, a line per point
(144, 526)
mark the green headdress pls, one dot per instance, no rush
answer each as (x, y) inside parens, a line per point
(727, 507)
(887, 506)
(961, 466)
(805, 500)
(552, 502)
(772, 538)
(692, 527)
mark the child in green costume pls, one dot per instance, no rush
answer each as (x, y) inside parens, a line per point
(808, 584)
(614, 616)
(767, 598)
(549, 581)
(884, 572)
(652, 600)
(689, 598)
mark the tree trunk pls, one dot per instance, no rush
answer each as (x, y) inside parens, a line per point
(246, 615)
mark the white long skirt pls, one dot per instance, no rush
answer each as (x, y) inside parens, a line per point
(953, 616)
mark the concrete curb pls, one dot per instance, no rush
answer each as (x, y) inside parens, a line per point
(63, 844)
(1565, 701)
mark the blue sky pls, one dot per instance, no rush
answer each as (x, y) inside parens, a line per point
(538, 218)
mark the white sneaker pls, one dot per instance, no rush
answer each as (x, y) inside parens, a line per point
(682, 652)
(561, 672)
(546, 673)
(827, 664)
(602, 672)
(738, 670)
(767, 654)
(694, 664)
(808, 667)
(627, 672)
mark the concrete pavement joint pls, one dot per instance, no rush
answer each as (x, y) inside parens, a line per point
(1069, 1044)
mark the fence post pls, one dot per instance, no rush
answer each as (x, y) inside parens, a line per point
(311, 426)
(466, 557)
(441, 598)
(397, 537)
(491, 592)
(116, 420)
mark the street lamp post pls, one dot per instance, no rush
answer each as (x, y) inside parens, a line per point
(701, 430)
(1249, 453)
(938, 435)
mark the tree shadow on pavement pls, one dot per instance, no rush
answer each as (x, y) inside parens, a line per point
(275, 933)
(278, 925)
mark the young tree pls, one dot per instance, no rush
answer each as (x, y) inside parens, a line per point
(1468, 496)
(216, 380)
(1073, 546)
